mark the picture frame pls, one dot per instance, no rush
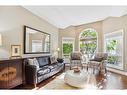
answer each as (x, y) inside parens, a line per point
(16, 51)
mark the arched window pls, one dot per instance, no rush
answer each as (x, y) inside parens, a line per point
(88, 42)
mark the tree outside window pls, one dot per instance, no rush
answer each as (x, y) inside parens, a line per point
(111, 47)
(88, 42)
(67, 48)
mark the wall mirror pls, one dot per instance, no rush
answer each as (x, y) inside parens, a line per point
(36, 41)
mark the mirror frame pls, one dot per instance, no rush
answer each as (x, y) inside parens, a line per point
(40, 32)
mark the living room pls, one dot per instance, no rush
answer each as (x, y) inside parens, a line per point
(37, 43)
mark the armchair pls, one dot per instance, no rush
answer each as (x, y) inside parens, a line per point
(98, 62)
(75, 60)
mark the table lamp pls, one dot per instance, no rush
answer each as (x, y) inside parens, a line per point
(58, 50)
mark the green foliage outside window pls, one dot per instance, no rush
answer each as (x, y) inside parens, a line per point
(111, 47)
(88, 48)
(89, 33)
(112, 59)
(67, 48)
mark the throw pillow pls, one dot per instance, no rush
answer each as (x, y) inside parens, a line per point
(98, 59)
(36, 62)
(53, 60)
(76, 56)
(33, 62)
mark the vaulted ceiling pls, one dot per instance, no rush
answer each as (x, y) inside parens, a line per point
(64, 16)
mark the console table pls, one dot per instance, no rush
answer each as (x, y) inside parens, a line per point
(11, 73)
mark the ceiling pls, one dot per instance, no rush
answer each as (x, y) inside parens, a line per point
(64, 16)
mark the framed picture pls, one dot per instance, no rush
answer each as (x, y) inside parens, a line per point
(15, 50)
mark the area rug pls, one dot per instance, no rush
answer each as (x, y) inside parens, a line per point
(59, 84)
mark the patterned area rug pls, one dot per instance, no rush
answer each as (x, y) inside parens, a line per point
(59, 84)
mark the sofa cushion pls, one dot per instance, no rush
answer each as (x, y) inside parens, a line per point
(56, 69)
(42, 68)
(43, 71)
(76, 56)
(98, 59)
(43, 61)
(52, 66)
(53, 60)
(60, 64)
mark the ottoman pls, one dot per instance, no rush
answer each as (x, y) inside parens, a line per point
(76, 79)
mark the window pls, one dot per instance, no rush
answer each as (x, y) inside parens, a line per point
(88, 42)
(114, 48)
(67, 48)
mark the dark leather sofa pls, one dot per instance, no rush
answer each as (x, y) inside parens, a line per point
(46, 70)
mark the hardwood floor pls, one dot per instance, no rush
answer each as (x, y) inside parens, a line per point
(108, 81)
(111, 81)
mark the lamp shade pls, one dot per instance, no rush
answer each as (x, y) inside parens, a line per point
(0, 40)
(58, 49)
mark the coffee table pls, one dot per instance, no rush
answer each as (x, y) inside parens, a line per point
(76, 79)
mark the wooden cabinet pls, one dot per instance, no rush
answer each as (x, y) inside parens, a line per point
(11, 73)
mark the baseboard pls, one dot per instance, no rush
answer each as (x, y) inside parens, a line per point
(117, 71)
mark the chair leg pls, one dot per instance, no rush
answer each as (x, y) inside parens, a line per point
(35, 85)
(70, 67)
(100, 70)
(93, 70)
(87, 68)
(82, 66)
(105, 70)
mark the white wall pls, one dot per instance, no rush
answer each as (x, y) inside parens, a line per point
(12, 19)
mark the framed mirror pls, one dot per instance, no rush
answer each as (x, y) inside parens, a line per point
(36, 41)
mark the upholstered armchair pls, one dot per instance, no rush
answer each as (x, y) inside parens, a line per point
(75, 60)
(98, 62)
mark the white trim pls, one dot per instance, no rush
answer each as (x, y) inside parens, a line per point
(115, 66)
(114, 32)
(117, 71)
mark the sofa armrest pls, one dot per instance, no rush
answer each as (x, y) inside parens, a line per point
(31, 74)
